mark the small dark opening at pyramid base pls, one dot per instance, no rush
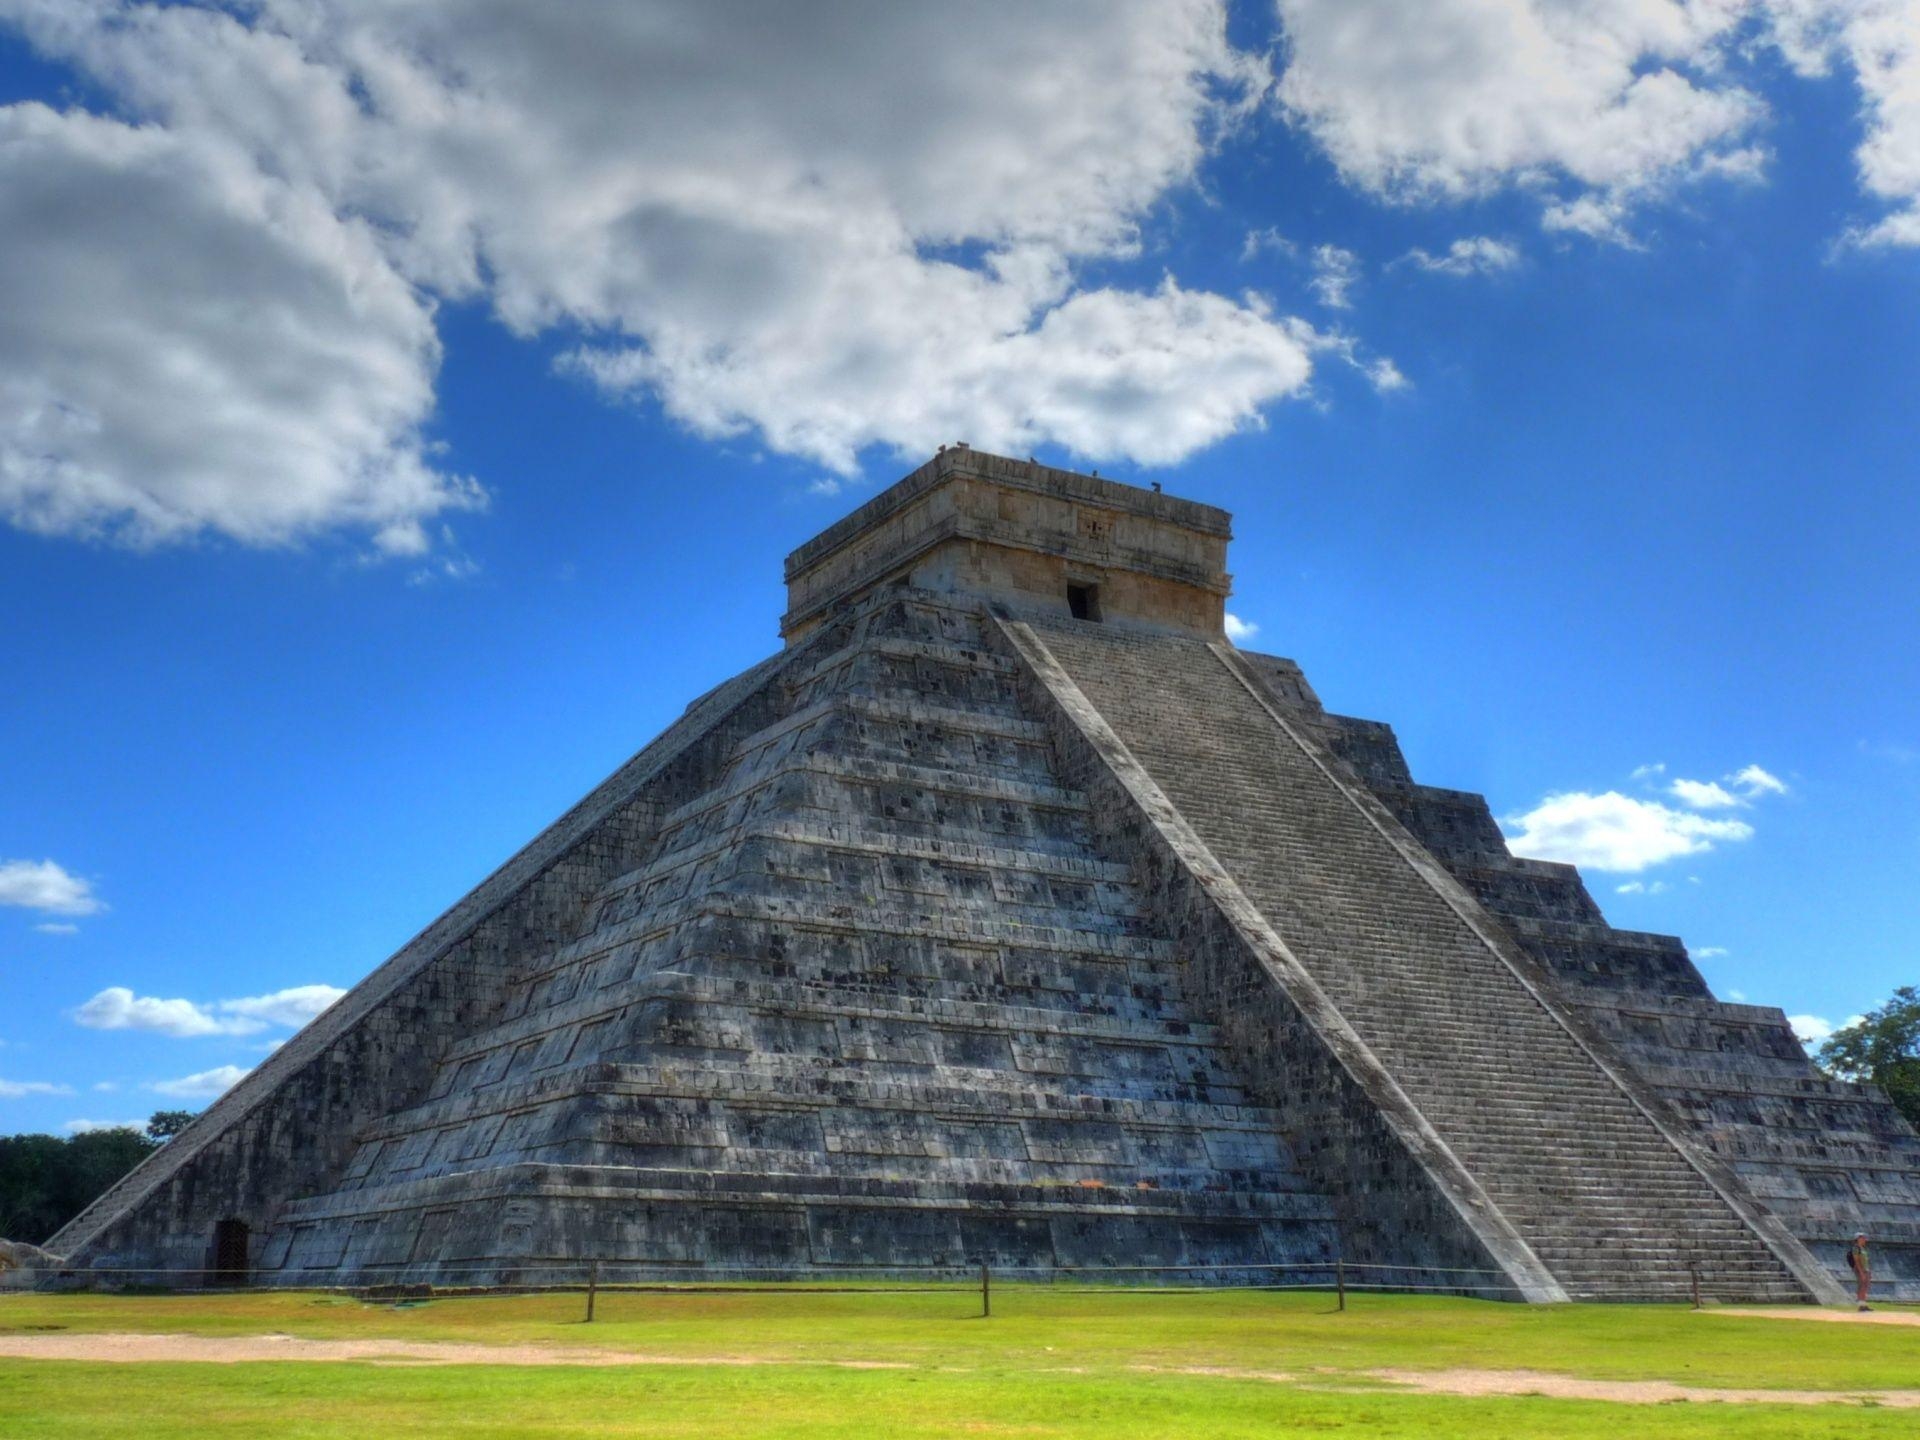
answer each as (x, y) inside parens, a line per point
(1083, 601)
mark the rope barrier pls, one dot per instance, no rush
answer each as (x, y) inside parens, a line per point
(600, 1277)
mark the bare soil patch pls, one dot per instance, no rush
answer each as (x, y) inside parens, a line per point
(1627, 1392)
(229, 1350)
(1813, 1312)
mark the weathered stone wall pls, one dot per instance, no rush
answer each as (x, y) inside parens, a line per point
(870, 997)
(1400, 1198)
(988, 526)
(1829, 1158)
(1615, 1204)
(287, 1129)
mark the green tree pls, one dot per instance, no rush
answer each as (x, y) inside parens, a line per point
(46, 1181)
(166, 1124)
(1883, 1046)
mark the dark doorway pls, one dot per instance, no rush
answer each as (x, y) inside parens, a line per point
(1083, 601)
(230, 1252)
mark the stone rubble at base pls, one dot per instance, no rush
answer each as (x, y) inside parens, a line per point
(1011, 916)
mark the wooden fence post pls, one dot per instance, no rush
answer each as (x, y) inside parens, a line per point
(986, 1292)
(1340, 1280)
(593, 1286)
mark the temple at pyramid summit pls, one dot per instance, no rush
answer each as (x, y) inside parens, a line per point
(1012, 915)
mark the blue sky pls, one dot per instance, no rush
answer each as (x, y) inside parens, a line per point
(373, 482)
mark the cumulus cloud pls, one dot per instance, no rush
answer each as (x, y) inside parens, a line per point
(87, 1127)
(1812, 1029)
(1608, 100)
(118, 1008)
(1239, 630)
(1740, 789)
(1703, 795)
(1642, 887)
(825, 228)
(292, 1007)
(1595, 108)
(1709, 952)
(1615, 832)
(1879, 41)
(205, 1085)
(42, 884)
(20, 1089)
(1473, 255)
(188, 344)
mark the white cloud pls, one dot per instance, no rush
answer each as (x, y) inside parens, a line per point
(828, 228)
(1474, 255)
(1385, 376)
(1593, 104)
(1335, 272)
(104, 1087)
(1239, 630)
(87, 1127)
(57, 927)
(291, 1007)
(118, 1008)
(1709, 952)
(1642, 887)
(1264, 239)
(1879, 40)
(1739, 997)
(40, 884)
(1595, 107)
(20, 1089)
(1703, 795)
(206, 1085)
(1646, 774)
(188, 344)
(1812, 1029)
(1754, 781)
(1616, 832)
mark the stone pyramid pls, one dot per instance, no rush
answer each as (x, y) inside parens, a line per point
(1011, 915)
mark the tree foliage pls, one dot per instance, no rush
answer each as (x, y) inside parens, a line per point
(1883, 1047)
(45, 1180)
(166, 1124)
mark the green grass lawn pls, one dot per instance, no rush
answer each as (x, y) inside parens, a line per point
(1047, 1364)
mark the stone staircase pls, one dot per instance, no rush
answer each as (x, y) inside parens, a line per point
(1603, 1198)
(872, 998)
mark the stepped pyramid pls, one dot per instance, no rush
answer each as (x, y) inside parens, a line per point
(1010, 914)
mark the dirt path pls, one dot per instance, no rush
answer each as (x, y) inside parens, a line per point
(1628, 1392)
(229, 1350)
(1841, 1317)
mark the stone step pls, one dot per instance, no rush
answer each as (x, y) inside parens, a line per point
(854, 770)
(899, 710)
(1521, 1101)
(895, 647)
(636, 1185)
(959, 1094)
(852, 919)
(978, 848)
(1011, 1015)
